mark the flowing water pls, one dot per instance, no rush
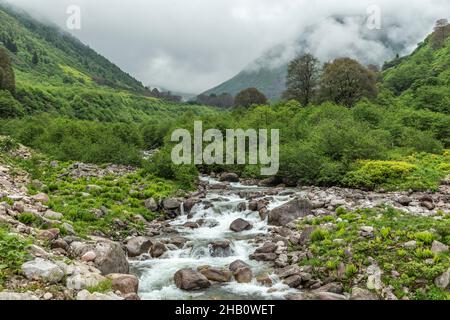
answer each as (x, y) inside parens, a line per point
(156, 275)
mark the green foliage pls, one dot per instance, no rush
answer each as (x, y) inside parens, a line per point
(7, 78)
(302, 79)
(9, 107)
(13, 253)
(102, 287)
(27, 218)
(249, 97)
(345, 81)
(418, 268)
(318, 235)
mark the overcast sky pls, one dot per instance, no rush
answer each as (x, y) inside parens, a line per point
(193, 45)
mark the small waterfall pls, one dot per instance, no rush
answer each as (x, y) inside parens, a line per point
(182, 208)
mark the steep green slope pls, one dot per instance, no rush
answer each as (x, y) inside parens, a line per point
(272, 82)
(422, 79)
(47, 54)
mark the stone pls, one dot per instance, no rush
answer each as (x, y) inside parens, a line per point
(10, 296)
(290, 211)
(68, 227)
(84, 279)
(110, 258)
(189, 280)
(443, 280)
(60, 244)
(288, 271)
(47, 296)
(362, 294)
(333, 287)
(374, 278)
(96, 296)
(264, 256)
(125, 283)
(49, 234)
(217, 275)
(138, 245)
(151, 204)
(268, 247)
(410, 244)
(429, 205)
(43, 270)
(157, 250)
(404, 200)
(88, 256)
(191, 225)
(42, 198)
(171, 204)
(293, 281)
(52, 215)
(366, 231)
(438, 247)
(237, 265)
(220, 249)
(264, 279)
(327, 296)
(243, 275)
(229, 177)
(239, 225)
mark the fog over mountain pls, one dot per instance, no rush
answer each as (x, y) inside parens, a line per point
(193, 45)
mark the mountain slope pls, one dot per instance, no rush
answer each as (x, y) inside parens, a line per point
(49, 54)
(269, 81)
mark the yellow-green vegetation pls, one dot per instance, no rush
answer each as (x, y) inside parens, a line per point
(417, 172)
(411, 270)
(102, 287)
(13, 253)
(74, 73)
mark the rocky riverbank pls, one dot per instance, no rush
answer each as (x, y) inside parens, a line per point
(230, 238)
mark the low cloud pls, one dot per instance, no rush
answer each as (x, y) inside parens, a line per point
(193, 45)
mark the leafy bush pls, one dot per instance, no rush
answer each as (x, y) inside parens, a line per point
(12, 253)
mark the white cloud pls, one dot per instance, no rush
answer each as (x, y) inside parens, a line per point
(196, 44)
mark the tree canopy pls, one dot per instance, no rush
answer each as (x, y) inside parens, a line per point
(248, 97)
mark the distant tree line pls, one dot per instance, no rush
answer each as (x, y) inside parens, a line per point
(168, 96)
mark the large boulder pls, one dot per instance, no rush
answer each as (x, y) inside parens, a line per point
(189, 279)
(237, 264)
(229, 177)
(243, 275)
(43, 270)
(110, 258)
(137, 246)
(214, 274)
(151, 204)
(84, 279)
(290, 211)
(158, 250)
(239, 225)
(362, 294)
(125, 283)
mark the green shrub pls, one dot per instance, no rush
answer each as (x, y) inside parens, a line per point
(319, 235)
(27, 218)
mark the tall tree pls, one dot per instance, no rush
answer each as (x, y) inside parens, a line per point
(302, 79)
(345, 81)
(7, 78)
(249, 96)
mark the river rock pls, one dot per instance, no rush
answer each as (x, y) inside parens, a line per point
(42, 269)
(443, 280)
(238, 264)
(293, 281)
(214, 274)
(438, 247)
(83, 279)
(220, 248)
(404, 200)
(41, 197)
(151, 204)
(243, 275)
(171, 204)
(157, 250)
(137, 246)
(10, 296)
(239, 225)
(268, 247)
(263, 256)
(85, 295)
(290, 211)
(125, 283)
(362, 294)
(229, 177)
(288, 271)
(189, 279)
(52, 215)
(88, 256)
(110, 258)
